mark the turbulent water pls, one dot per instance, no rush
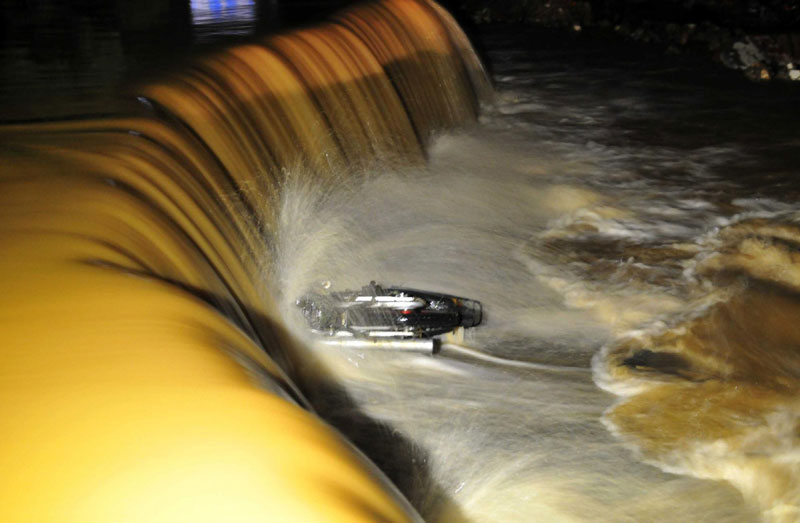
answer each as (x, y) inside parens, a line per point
(630, 225)
(632, 231)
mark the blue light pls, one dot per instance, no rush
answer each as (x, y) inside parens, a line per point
(213, 19)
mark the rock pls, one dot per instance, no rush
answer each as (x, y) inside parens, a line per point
(743, 55)
(757, 37)
(764, 57)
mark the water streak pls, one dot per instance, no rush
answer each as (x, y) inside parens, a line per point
(147, 373)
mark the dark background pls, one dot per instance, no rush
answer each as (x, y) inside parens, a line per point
(73, 58)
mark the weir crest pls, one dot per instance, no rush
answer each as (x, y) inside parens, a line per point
(145, 367)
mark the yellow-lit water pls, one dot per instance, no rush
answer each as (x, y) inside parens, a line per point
(639, 358)
(146, 373)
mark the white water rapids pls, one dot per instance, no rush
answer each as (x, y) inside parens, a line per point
(536, 213)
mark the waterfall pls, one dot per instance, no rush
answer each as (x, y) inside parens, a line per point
(146, 373)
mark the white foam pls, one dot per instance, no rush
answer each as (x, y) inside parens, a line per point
(501, 215)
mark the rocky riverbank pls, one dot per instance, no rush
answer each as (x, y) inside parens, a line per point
(760, 38)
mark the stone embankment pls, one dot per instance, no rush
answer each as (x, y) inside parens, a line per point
(760, 38)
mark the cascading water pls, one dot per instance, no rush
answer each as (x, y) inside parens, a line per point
(154, 358)
(147, 373)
